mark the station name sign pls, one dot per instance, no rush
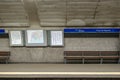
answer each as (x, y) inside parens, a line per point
(92, 30)
(2, 31)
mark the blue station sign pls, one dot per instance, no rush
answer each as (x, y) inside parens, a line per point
(2, 31)
(92, 30)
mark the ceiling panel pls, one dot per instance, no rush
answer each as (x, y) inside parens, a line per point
(12, 13)
(60, 12)
(108, 12)
(79, 12)
(52, 12)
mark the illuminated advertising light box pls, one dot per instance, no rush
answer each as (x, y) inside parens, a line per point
(16, 38)
(56, 38)
(36, 38)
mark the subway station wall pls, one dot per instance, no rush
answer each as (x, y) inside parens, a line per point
(51, 55)
(59, 13)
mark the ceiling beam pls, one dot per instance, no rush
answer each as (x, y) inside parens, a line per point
(31, 9)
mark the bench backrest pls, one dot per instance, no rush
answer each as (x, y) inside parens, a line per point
(109, 53)
(91, 53)
(4, 53)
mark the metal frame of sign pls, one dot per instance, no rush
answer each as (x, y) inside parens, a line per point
(17, 42)
(50, 38)
(35, 43)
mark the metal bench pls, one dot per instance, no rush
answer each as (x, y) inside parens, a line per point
(91, 57)
(4, 56)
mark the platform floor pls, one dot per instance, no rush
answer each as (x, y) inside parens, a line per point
(59, 70)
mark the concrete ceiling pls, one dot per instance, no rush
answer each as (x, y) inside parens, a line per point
(60, 13)
(12, 13)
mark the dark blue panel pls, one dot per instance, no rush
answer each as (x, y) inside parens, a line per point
(92, 30)
(2, 31)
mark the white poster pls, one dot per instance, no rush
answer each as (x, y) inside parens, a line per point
(35, 36)
(16, 37)
(57, 38)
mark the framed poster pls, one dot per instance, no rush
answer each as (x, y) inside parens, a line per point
(36, 38)
(16, 38)
(56, 38)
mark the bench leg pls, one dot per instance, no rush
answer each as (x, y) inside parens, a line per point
(65, 61)
(83, 61)
(101, 61)
(6, 61)
(119, 61)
